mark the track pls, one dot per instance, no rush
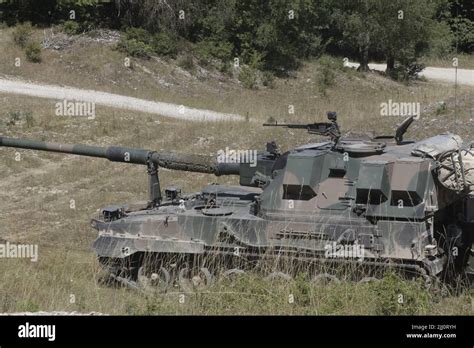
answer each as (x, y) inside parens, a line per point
(12, 86)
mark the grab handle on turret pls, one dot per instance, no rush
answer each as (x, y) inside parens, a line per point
(402, 129)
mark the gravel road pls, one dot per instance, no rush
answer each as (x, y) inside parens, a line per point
(112, 100)
(465, 77)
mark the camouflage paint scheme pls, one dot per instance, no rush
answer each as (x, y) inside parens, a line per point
(383, 194)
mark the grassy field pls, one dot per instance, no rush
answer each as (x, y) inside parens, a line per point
(35, 192)
(465, 61)
(61, 275)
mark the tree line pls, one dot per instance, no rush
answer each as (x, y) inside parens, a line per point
(272, 34)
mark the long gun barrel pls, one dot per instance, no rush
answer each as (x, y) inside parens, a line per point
(170, 160)
(152, 159)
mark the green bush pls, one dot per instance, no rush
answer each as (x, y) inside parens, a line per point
(225, 67)
(33, 52)
(214, 49)
(334, 63)
(71, 28)
(405, 72)
(268, 79)
(22, 33)
(442, 42)
(164, 44)
(138, 34)
(248, 77)
(138, 42)
(465, 33)
(327, 73)
(326, 78)
(135, 48)
(441, 108)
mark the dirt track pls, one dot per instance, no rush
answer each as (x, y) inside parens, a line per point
(464, 76)
(112, 100)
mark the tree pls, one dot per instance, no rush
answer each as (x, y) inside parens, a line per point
(462, 24)
(357, 21)
(278, 32)
(406, 27)
(397, 30)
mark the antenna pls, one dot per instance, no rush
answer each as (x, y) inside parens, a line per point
(455, 94)
(456, 63)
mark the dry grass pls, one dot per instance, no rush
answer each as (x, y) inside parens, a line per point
(61, 274)
(357, 99)
(465, 61)
(35, 192)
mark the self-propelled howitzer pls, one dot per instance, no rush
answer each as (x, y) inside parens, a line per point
(370, 203)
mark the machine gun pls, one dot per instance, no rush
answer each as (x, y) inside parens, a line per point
(330, 129)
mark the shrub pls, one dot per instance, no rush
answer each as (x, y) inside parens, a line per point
(442, 42)
(138, 42)
(441, 108)
(327, 72)
(327, 76)
(268, 80)
(33, 52)
(465, 33)
(30, 121)
(255, 60)
(71, 28)
(13, 117)
(138, 34)
(164, 44)
(225, 67)
(18, 117)
(22, 33)
(186, 62)
(214, 49)
(405, 72)
(248, 77)
(331, 62)
(135, 48)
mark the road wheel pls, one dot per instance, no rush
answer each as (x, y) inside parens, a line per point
(195, 280)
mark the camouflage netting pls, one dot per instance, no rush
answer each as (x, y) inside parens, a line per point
(457, 169)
